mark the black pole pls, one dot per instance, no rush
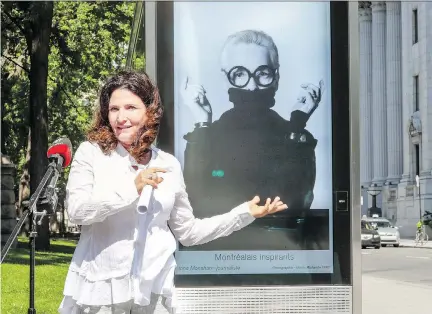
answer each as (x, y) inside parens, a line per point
(374, 201)
(33, 235)
(419, 194)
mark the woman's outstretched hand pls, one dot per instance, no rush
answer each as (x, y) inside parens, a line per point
(269, 208)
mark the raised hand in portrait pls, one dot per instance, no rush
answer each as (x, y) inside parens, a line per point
(310, 97)
(194, 96)
(268, 208)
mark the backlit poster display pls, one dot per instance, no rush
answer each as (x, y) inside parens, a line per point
(252, 116)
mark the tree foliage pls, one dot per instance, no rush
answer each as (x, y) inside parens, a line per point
(88, 42)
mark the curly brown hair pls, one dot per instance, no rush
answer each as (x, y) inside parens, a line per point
(141, 85)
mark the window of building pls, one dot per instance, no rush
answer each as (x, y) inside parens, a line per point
(415, 26)
(417, 159)
(416, 93)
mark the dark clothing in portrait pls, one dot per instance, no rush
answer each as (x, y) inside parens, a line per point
(251, 150)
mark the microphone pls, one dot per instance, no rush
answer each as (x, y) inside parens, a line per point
(61, 150)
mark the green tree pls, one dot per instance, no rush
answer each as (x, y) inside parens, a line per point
(54, 57)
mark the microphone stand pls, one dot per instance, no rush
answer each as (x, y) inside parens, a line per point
(42, 203)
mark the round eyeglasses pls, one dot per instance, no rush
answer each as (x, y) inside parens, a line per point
(263, 76)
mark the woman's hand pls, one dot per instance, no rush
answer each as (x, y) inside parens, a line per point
(269, 208)
(148, 177)
(311, 98)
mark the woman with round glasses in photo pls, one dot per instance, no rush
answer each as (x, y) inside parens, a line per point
(250, 143)
(124, 261)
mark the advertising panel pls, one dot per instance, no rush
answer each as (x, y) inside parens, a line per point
(253, 116)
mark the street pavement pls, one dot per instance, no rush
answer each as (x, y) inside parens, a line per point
(411, 243)
(396, 280)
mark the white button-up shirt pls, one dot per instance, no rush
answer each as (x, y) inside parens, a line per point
(122, 254)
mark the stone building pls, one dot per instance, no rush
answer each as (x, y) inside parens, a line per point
(396, 109)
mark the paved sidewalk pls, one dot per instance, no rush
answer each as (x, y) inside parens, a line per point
(411, 243)
(383, 296)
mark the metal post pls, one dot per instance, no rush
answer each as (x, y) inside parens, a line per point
(150, 19)
(137, 20)
(354, 103)
(33, 235)
(419, 195)
(420, 211)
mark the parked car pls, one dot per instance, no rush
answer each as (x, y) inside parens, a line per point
(389, 234)
(369, 236)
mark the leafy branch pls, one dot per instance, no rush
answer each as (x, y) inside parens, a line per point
(17, 64)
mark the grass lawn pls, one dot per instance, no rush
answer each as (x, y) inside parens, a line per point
(50, 273)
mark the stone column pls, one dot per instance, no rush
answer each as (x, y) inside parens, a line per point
(425, 41)
(394, 91)
(8, 210)
(407, 96)
(379, 112)
(365, 20)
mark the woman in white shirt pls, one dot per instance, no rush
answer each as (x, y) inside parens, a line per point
(124, 262)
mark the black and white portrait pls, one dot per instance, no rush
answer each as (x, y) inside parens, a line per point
(253, 117)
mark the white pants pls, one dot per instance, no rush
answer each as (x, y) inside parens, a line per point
(157, 306)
